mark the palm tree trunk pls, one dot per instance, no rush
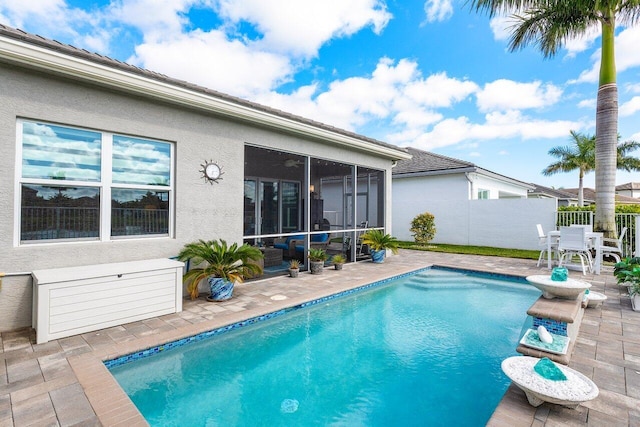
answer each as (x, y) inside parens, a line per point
(606, 136)
(581, 188)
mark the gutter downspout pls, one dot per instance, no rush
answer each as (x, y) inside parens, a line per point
(471, 180)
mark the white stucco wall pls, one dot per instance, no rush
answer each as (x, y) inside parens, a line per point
(201, 210)
(498, 188)
(507, 223)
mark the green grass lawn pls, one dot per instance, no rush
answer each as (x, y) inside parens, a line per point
(472, 250)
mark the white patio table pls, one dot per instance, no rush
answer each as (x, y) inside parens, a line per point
(597, 244)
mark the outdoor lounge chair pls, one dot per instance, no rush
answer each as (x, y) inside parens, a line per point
(574, 243)
(542, 242)
(614, 246)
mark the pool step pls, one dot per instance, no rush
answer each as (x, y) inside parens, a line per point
(439, 286)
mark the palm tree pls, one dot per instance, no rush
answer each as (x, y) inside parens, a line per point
(581, 156)
(549, 24)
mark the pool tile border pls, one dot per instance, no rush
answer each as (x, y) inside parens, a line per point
(122, 360)
(486, 274)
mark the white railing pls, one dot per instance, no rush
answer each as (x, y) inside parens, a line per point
(631, 241)
(41, 223)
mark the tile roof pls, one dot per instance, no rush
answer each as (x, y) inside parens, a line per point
(590, 193)
(54, 45)
(628, 186)
(558, 193)
(424, 161)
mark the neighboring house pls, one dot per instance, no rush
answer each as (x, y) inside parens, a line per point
(590, 194)
(452, 190)
(440, 177)
(563, 197)
(630, 189)
(106, 162)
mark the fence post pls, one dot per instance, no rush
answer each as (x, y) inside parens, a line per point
(637, 235)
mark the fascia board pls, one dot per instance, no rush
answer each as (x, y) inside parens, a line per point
(52, 61)
(431, 173)
(504, 178)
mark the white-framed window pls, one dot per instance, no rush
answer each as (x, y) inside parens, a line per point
(483, 194)
(81, 184)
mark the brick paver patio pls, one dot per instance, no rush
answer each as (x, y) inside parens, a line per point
(64, 382)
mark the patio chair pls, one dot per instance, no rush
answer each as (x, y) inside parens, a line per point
(614, 246)
(574, 243)
(542, 242)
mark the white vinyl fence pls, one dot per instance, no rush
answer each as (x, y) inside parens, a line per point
(504, 223)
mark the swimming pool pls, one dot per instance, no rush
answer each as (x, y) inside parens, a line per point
(424, 349)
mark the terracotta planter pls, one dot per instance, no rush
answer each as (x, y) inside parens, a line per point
(221, 290)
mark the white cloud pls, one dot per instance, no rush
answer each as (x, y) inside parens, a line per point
(301, 27)
(211, 60)
(438, 90)
(500, 27)
(55, 19)
(475, 154)
(156, 19)
(507, 95)
(396, 92)
(588, 103)
(438, 10)
(632, 87)
(503, 153)
(629, 108)
(507, 125)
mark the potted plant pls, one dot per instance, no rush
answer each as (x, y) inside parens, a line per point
(294, 268)
(627, 272)
(338, 261)
(224, 266)
(317, 257)
(379, 243)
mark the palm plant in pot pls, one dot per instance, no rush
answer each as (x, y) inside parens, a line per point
(338, 261)
(317, 257)
(294, 268)
(379, 243)
(627, 272)
(224, 266)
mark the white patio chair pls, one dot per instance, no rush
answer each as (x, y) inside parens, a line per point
(574, 243)
(542, 242)
(614, 246)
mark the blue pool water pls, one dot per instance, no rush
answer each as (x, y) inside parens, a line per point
(421, 350)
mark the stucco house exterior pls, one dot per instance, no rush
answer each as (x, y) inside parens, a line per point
(440, 177)
(563, 197)
(109, 163)
(630, 189)
(470, 203)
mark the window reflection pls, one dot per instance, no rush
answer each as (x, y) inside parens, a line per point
(59, 212)
(139, 212)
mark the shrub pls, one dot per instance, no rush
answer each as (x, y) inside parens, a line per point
(423, 228)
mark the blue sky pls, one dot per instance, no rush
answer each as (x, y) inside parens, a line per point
(429, 74)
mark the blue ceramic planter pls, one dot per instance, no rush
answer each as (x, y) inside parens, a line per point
(377, 256)
(221, 289)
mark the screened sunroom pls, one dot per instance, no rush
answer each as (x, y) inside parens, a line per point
(294, 202)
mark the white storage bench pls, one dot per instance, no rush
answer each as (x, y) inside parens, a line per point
(74, 300)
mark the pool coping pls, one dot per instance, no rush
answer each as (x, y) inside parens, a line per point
(114, 407)
(607, 350)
